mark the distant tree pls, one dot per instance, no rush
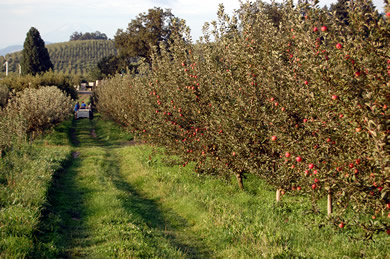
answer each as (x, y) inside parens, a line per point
(109, 65)
(78, 36)
(148, 29)
(343, 7)
(36, 57)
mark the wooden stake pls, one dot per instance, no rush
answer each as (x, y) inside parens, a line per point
(330, 209)
(277, 195)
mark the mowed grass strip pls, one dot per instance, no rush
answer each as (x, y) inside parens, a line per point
(95, 212)
(220, 221)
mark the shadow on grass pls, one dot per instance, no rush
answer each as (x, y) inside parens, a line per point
(62, 233)
(61, 224)
(145, 211)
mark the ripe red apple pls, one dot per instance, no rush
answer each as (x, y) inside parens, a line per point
(335, 97)
(305, 120)
(313, 186)
(274, 138)
(316, 180)
(315, 172)
(315, 29)
(306, 82)
(357, 161)
(380, 189)
(339, 46)
(272, 99)
(357, 73)
(388, 205)
(341, 116)
(388, 14)
(341, 225)
(287, 154)
(311, 165)
(299, 159)
(276, 104)
(324, 28)
(234, 153)
(299, 188)
(373, 217)
(351, 165)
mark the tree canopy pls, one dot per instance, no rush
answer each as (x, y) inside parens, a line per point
(77, 36)
(148, 29)
(36, 57)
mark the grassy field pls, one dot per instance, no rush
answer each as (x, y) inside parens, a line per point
(120, 199)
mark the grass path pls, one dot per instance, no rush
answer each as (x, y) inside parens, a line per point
(95, 211)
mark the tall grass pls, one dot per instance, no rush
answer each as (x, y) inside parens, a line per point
(25, 176)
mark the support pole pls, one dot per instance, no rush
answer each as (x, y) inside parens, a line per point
(330, 209)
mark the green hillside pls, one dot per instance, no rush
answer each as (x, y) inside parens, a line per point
(74, 57)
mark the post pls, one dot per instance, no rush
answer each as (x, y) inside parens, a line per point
(277, 195)
(20, 69)
(6, 68)
(330, 209)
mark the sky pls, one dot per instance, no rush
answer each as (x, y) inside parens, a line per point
(56, 20)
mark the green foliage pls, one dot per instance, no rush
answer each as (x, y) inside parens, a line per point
(71, 58)
(30, 112)
(36, 58)
(79, 36)
(63, 82)
(25, 177)
(321, 89)
(148, 30)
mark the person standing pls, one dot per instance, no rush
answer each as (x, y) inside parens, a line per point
(76, 108)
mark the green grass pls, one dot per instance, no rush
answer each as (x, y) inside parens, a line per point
(25, 174)
(119, 199)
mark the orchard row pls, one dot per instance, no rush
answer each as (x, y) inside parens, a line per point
(301, 102)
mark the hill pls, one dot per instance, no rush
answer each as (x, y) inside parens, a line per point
(74, 57)
(10, 49)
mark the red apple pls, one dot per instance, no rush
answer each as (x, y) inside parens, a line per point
(287, 154)
(315, 29)
(305, 120)
(313, 186)
(311, 165)
(306, 82)
(341, 225)
(335, 97)
(234, 153)
(299, 188)
(274, 138)
(299, 159)
(339, 46)
(351, 165)
(315, 172)
(316, 180)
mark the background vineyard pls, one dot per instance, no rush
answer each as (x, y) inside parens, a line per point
(74, 57)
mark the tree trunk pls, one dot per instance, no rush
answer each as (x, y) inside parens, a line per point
(330, 209)
(277, 195)
(239, 180)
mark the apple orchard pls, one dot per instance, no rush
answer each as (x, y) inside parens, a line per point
(301, 102)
